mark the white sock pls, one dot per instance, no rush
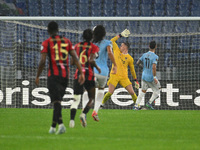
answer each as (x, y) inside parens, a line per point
(153, 97)
(98, 100)
(139, 98)
(85, 99)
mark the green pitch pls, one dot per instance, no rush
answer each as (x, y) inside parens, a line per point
(27, 129)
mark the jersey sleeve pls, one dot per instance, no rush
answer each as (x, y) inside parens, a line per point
(109, 43)
(155, 60)
(141, 58)
(113, 40)
(132, 68)
(44, 47)
(95, 49)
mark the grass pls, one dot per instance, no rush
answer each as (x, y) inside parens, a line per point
(27, 129)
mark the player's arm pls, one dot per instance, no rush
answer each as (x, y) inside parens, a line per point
(40, 67)
(154, 73)
(111, 56)
(140, 63)
(78, 64)
(93, 62)
(132, 69)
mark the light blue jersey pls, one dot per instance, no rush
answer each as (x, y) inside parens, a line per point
(102, 58)
(148, 60)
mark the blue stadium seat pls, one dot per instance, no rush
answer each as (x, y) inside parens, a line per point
(71, 25)
(168, 43)
(46, 8)
(9, 1)
(156, 27)
(195, 56)
(195, 13)
(171, 10)
(58, 8)
(184, 43)
(159, 1)
(96, 12)
(109, 1)
(134, 42)
(109, 26)
(146, 10)
(134, 2)
(133, 27)
(83, 9)
(195, 42)
(180, 27)
(84, 1)
(120, 26)
(184, 1)
(145, 42)
(159, 12)
(121, 12)
(33, 8)
(168, 26)
(160, 42)
(193, 26)
(167, 60)
(108, 12)
(82, 25)
(184, 12)
(22, 5)
(144, 27)
(147, 2)
(174, 2)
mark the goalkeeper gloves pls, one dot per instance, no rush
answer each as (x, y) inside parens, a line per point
(137, 85)
(125, 33)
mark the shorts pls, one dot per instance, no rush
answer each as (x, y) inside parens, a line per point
(57, 86)
(115, 79)
(152, 85)
(100, 80)
(79, 89)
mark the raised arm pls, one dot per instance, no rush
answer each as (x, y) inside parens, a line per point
(111, 56)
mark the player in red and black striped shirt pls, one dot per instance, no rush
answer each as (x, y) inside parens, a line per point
(86, 52)
(57, 49)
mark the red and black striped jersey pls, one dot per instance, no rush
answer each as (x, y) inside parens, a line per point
(57, 49)
(84, 50)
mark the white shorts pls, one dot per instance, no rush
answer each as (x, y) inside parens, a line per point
(100, 80)
(152, 85)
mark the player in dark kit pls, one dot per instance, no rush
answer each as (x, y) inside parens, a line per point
(57, 49)
(86, 52)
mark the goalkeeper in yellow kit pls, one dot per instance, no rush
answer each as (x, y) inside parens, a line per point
(123, 60)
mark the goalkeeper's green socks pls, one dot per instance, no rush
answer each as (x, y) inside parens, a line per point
(134, 97)
(106, 97)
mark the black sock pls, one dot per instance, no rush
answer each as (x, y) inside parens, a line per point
(72, 114)
(86, 109)
(58, 114)
(54, 119)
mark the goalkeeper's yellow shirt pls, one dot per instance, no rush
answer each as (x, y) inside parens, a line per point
(122, 61)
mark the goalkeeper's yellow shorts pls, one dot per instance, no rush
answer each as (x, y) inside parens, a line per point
(115, 79)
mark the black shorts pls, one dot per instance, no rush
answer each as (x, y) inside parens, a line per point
(79, 89)
(57, 86)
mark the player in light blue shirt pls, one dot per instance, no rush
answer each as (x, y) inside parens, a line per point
(105, 51)
(148, 62)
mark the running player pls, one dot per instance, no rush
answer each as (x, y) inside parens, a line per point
(123, 60)
(86, 52)
(105, 51)
(57, 49)
(148, 62)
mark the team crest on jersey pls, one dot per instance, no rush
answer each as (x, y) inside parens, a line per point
(125, 57)
(41, 48)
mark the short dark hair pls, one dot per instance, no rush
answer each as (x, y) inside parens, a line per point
(127, 44)
(152, 44)
(88, 35)
(99, 33)
(52, 27)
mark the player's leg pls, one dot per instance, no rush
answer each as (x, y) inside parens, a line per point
(126, 83)
(90, 87)
(156, 91)
(78, 90)
(101, 82)
(112, 83)
(141, 95)
(85, 99)
(56, 90)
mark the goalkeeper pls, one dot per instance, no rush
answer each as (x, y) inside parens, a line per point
(123, 60)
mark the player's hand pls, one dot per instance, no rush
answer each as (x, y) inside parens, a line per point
(155, 80)
(125, 33)
(99, 70)
(37, 81)
(114, 70)
(137, 85)
(81, 78)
